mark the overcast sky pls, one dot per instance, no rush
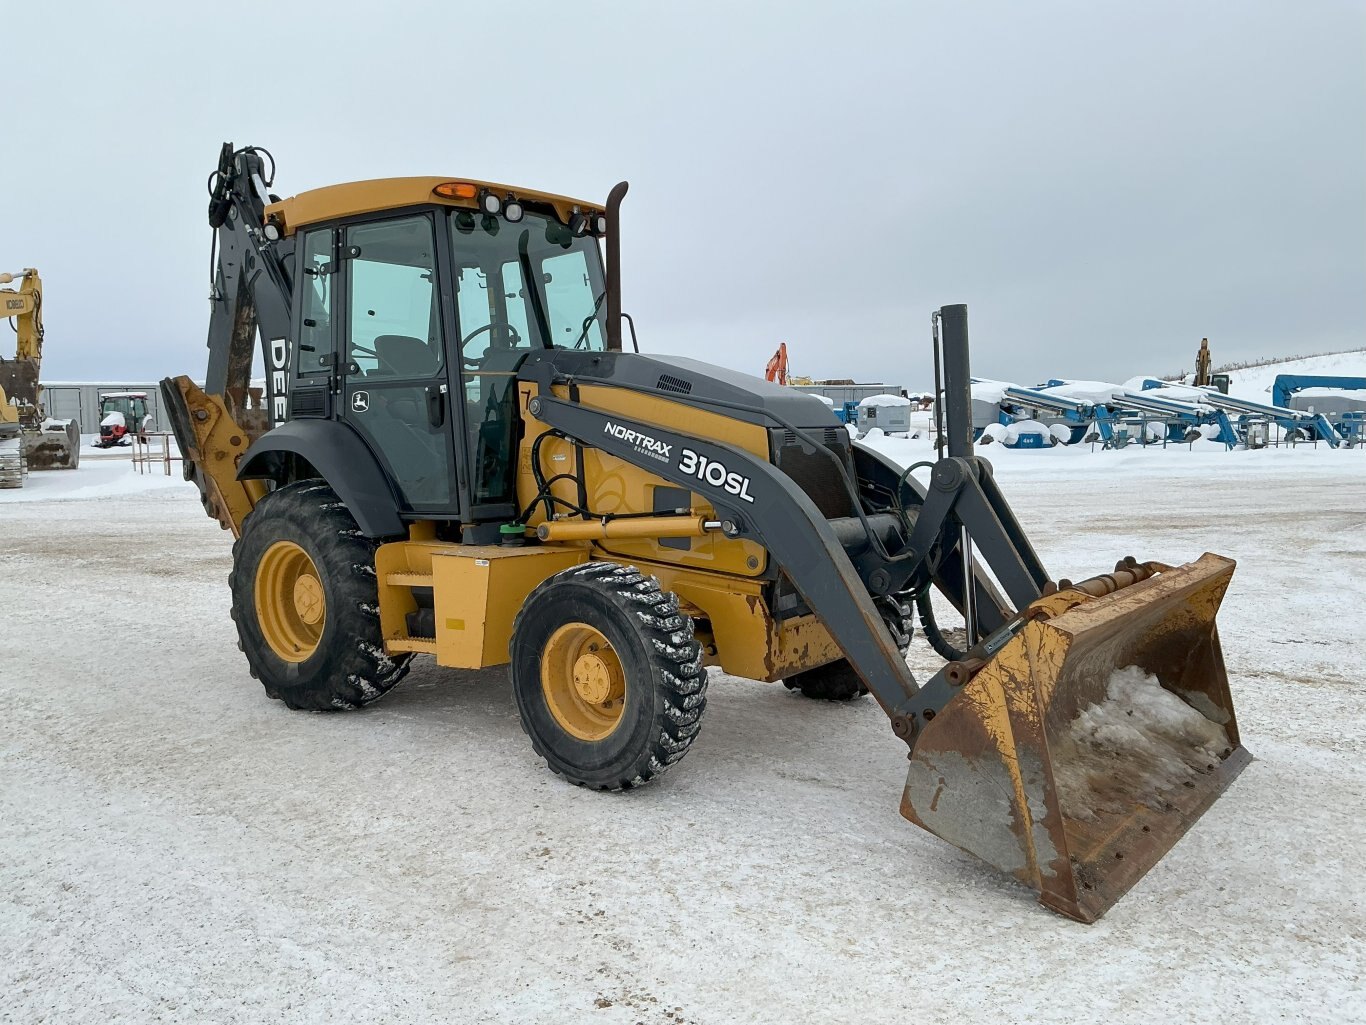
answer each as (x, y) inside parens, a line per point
(1102, 183)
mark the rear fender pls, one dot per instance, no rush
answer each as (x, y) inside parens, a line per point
(341, 459)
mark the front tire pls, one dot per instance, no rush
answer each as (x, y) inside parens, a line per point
(306, 602)
(837, 681)
(607, 675)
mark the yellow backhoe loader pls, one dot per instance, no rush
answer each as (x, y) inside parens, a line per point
(29, 440)
(454, 456)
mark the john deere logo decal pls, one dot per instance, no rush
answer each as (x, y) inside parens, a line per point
(360, 401)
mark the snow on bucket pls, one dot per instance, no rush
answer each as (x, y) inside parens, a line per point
(1079, 755)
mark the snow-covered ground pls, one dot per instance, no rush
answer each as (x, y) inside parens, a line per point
(174, 847)
(102, 473)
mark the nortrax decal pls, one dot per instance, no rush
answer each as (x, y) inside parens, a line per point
(714, 473)
(643, 442)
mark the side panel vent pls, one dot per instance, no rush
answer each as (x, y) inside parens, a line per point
(667, 382)
(310, 402)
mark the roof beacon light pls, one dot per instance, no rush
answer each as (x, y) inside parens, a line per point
(456, 190)
(489, 203)
(512, 209)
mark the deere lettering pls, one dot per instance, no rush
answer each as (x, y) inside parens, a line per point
(14, 304)
(643, 442)
(714, 473)
(279, 393)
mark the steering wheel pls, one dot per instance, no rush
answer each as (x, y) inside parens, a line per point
(514, 339)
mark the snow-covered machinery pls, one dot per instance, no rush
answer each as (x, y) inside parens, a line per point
(13, 467)
(123, 416)
(1252, 421)
(29, 440)
(1183, 418)
(1025, 434)
(1032, 418)
(1338, 399)
(889, 413)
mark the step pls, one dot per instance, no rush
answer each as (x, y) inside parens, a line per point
(423, 645)
(408, 579)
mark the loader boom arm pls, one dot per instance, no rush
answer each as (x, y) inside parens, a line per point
(773, 512)
(756, 501)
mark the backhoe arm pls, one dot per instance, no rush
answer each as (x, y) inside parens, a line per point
(24, 309)
(250, 295)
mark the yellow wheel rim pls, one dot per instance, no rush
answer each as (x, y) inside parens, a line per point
(291, 607)
(583, 682)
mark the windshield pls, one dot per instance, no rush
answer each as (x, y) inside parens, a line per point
(532, 284)
(128, 405)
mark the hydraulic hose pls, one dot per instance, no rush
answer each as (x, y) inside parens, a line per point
(933, 634)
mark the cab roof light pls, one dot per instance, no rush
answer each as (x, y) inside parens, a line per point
(489, 203)
(456, 190)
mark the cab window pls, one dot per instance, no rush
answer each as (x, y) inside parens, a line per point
(395, 328)
(315, 288)
(572, 301)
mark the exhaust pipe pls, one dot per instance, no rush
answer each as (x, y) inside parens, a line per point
(614, 199)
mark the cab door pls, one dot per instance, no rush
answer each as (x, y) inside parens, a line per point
(395, 387)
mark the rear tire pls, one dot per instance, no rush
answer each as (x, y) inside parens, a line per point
(607, 675)
(301, 549)
(838, 681)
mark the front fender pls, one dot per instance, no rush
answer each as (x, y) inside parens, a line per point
(341, 459)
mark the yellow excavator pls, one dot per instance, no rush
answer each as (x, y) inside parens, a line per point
(29, 440)
(456, 456)
(1205, 377)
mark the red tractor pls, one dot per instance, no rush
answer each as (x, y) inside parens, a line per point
(122, 415)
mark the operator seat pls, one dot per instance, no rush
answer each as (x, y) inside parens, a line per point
(405, 356)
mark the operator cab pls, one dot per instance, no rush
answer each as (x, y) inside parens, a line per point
(132, 404)
(412, 323)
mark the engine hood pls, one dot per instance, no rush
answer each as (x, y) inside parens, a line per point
(729, 392)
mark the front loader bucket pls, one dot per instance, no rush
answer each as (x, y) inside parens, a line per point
(1079, 754)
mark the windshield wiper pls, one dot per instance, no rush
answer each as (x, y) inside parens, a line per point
(588, 321)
